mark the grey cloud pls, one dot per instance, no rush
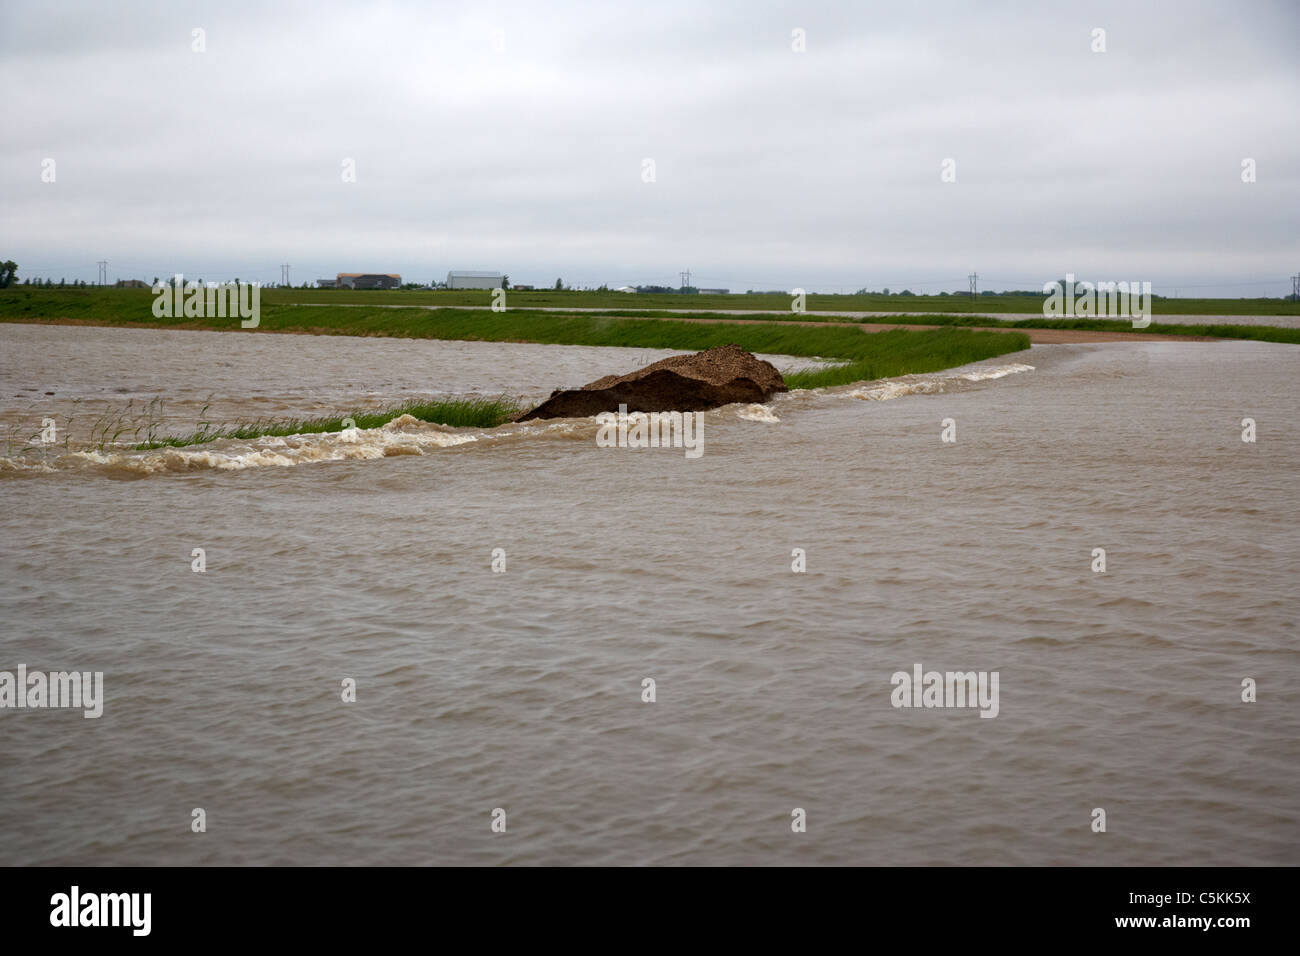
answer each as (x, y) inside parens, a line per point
(773, 168)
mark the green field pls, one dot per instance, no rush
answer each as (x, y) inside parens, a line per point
(133, 307)
(775, 303)
(85, 300)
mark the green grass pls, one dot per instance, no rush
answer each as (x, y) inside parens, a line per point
(133, 307)
(460, 413)
(815, 301)
(18, 301)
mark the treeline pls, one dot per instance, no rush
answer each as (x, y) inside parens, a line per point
(48, 283)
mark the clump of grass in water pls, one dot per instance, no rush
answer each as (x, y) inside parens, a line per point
(106, 429)
(457, 413)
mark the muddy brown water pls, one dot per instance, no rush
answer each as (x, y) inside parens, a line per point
(372, 559)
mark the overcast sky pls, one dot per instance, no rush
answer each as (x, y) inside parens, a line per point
(513, 137)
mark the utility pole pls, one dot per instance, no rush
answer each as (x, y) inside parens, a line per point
(686, 278)
(103, 272)
(1295, 287)
(284, 274)
(974, 279)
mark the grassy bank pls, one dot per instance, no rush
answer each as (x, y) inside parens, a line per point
(19, 301)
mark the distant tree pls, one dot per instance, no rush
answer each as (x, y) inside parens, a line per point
(505, 282)
(559, 285)
(8, 269)
(886, 290)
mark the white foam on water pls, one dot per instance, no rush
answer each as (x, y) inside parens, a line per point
(934, 384)
(18, 466)
(407, 435)
(887, 391)
(984, 374)
(757, 413)
(404, 435)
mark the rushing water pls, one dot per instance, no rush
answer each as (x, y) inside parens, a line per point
(372, 559)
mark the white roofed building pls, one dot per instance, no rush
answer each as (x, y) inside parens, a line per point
(474, 280)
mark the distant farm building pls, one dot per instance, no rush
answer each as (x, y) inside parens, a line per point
(132, 284)
(625, 288)
(714, 291)
(326, 283)
(474, 280)
(368, 280)
(522, 288)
